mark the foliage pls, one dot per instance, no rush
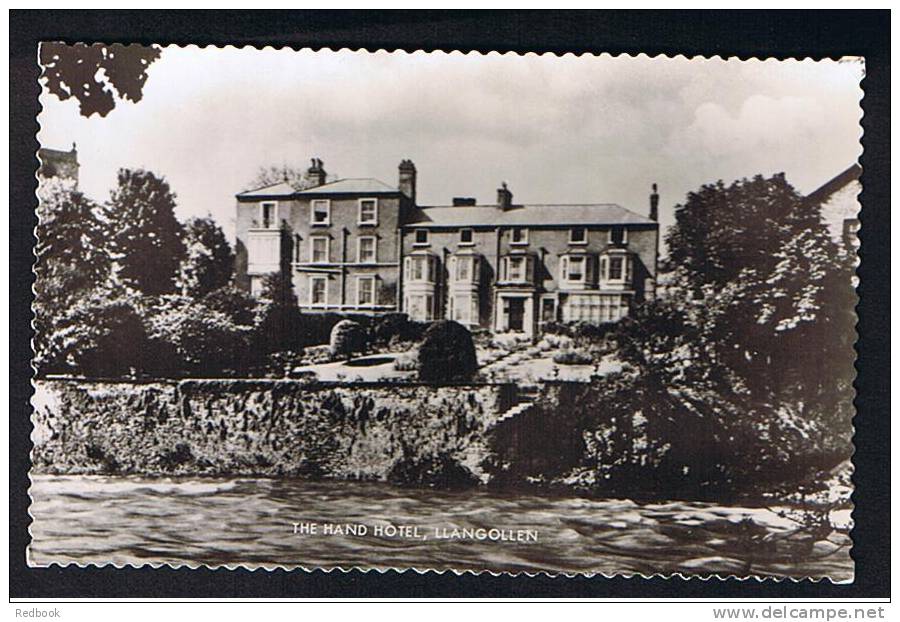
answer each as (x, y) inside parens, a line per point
(204, 341)
(208, 262)
(587, 331)
(447, 353)
(347, 338)
(238, 305)
(70, 260)
(90, 73)
(144, 237)
(101, 336)
(279, 325)
(394, 327)
(272, 175)
(572, 357)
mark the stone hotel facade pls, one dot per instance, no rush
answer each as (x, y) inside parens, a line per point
(362, 246)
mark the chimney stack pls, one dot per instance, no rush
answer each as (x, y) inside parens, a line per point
(316, 173)
(654, 204)
(504, 197)
(407, 183)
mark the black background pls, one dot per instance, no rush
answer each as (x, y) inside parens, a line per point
(781, 34)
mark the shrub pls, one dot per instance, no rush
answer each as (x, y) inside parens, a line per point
(447, 353)
(347, 338)
(393, 328)
(406, 362)
(572, 357)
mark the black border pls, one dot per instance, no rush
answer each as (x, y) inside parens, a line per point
(745, 34)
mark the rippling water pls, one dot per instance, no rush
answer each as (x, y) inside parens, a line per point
(234, 521)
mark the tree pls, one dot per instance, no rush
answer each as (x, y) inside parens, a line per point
(144, 236)
(208, 262)
(70, 259)
(271, 175)
(447, 353)
(90, 73)
(279, 326)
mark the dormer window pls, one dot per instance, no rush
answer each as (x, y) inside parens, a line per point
(421, 237)
(520, 236)
(578, 235)
(618, 236)
(320, 212)
(466, 237)
(268, 214)
(368, 211)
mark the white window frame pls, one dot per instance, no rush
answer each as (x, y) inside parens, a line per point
(312, 290)
(416, 242)
(359, 281)
(521, 242)
(374, 220)
(627, 267)
(312, 249)
(312, 213)
(555, 300)
(572, 239)
(471, 242)
(567, 265)
(359, 246)
(509, 262)
(262, 209)
(609, 237)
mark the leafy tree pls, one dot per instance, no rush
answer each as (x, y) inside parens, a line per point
(271, 175)
(144, 235)
(238, 305)
(208, 262)
(447, 353)
(90, 73)
(279, 326)
(70, 259)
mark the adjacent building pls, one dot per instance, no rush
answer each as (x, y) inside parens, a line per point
(58, 163)
(362, 246)
(838, 202)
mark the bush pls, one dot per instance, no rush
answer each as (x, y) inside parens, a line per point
(347, 338)
(572, 357)
(580, 330)
(447, 353)
(406, 362)
(392, 328)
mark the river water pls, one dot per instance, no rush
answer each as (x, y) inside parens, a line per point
(269, 523)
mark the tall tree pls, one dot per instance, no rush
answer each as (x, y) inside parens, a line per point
(208, 262)
(71, 261)
(144, 235)
(92, 73)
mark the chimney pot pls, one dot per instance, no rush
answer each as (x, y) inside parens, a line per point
(654, 204)
(504, 197)
(407, 179)
(316, 173)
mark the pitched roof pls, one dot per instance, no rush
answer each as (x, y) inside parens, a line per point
(281, 189)
(834, 184)
(527, 215)
(360, 185)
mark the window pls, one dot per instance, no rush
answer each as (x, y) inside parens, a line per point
(320, 212)
(268, 215)
(464, 309)
(421, 268)
(421, 237)
(318, 290)
(516, 269)
(466, 237)
(578, 235)
(520, 235)
(548, 310)
(367, 251)
(576, 269)
(419, 307)
(318, 249)
(365, 291)
(616, 268)
(465, 269)
(618, 235)
(368, 211)
(296, 239)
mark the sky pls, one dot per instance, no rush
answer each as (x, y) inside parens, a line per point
(570, 129)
